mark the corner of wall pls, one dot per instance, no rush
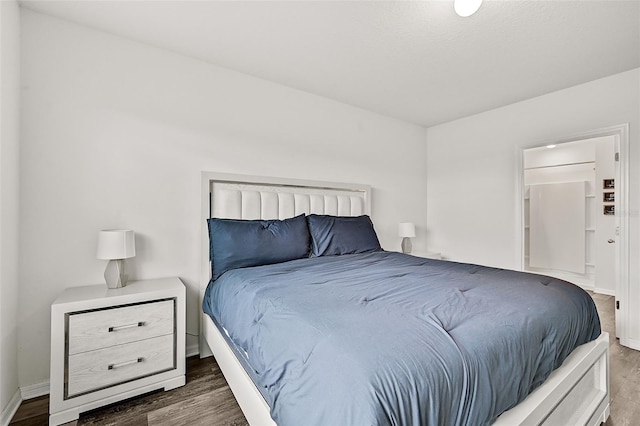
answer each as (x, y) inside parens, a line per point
(10, 395)
(10, 409)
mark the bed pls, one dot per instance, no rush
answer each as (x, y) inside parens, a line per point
(408, 360)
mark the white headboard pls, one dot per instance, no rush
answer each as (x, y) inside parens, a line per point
(233, 196)
(250, 201)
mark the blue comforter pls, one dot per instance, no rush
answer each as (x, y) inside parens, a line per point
(390, 339)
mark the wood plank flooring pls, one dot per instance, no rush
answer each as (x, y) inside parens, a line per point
(207, 400)
(624, 370)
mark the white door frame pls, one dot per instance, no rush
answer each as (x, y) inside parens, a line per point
(621, 133)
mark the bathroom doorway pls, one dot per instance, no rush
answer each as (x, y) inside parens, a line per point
(573, 214)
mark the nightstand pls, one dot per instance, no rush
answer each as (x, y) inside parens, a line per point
(427, 254)
(111, 344)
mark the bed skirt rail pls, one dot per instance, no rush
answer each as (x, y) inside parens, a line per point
(577, 393)
(250, 400)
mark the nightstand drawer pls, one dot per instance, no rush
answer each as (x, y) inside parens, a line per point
(93, 370)
(120, 325)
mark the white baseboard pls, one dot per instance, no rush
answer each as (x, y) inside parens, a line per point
(23, 393)
(10, 410)
(631, 343)
(605, 291)
(192, 350)
(586, 287)
(34, 391)
(40, 389)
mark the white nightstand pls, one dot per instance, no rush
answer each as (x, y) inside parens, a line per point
(427, 254)
(111, 344)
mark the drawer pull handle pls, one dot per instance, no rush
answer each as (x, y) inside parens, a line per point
(123, 327)
(122, 364)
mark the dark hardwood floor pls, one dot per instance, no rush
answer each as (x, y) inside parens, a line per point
(207, 400)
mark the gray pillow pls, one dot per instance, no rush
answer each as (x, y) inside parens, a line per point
(335, 235)
(236, 243)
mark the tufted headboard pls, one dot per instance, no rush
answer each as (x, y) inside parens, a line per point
(248, 201)
(233, 196)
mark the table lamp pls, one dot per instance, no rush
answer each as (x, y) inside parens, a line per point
(406, 230)
(116, 245)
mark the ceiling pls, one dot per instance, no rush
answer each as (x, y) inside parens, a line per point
(413, 60)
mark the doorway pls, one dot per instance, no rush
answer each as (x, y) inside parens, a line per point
(573, 213)
(570, 221)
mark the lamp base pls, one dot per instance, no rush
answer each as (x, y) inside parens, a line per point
(114, 274)
(406, 245)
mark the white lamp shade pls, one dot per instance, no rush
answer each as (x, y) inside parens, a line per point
(407, 229)
(116, 244)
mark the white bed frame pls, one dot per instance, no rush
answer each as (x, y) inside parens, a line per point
(577, 393)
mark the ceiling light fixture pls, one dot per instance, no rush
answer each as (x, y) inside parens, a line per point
(551, 146)
(466, 8)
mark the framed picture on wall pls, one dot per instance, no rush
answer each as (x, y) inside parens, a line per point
(609, 210)
(608, 197)
(608, 183)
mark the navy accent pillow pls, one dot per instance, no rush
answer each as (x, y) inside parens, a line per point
(332, 235)
(236, 243)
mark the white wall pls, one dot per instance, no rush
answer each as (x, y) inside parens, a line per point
(471, 170)
(583, 151)
(116, 133)
(605, 253)
(9, 158)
